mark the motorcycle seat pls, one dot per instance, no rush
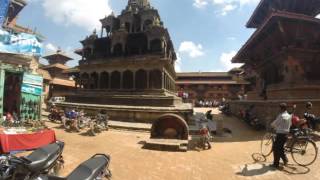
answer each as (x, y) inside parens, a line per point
(40, 158)
(89, 169)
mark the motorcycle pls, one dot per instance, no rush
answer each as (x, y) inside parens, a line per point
(95, 168)
(45, 160)
(55, 115)
(83, 121)
(313, 121)
(70, 120)
(99, 124)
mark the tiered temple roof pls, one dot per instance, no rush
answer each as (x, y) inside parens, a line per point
(266, 7)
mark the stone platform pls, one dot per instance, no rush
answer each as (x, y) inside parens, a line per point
(142, 114)
(166, 144)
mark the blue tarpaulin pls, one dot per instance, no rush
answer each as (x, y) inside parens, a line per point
(21, 43)
(4, 4)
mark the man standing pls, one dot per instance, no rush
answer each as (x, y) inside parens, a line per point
(312, 120)
(282, 126)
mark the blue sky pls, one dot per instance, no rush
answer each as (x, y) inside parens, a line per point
(206, 33)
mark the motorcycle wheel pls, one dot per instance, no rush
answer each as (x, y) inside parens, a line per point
(75, 125)
(66, 124)
(50, 117)
(92, 129)
(55, 170)
(108, 174)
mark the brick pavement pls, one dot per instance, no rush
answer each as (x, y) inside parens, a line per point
(230, 157)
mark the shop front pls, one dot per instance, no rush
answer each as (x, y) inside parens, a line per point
(20, 90)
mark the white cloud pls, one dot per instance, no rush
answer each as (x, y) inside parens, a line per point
(227, 8)
(191, 49)
(50, 48)
(200, 3)
(224, 6)
(225, 61)
(82, 13)
(178, 63)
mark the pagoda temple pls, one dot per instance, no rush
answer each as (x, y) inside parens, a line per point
(282, 57)
(128, 69)
(58, 82)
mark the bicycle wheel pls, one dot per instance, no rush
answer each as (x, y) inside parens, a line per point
(304, 152)
(266, 144)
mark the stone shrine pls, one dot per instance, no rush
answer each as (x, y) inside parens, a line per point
(129, 69)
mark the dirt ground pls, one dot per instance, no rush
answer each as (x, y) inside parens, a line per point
(230, 157)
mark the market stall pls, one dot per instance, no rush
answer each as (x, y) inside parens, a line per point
(21, 139)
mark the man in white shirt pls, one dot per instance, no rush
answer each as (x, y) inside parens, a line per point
(282, 126)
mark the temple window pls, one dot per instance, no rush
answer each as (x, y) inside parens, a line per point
(128, 80)
(141, 79)
(156, 45)
(147, 24)
(85, 80)
(155, 79)
(104, 80)
(117, 49)
(128, 26)
(137, 44)
(115, 80)
(94, 81)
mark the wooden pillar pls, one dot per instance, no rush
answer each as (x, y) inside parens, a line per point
(163, 80)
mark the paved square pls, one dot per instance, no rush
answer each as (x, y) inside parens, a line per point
(230, 157)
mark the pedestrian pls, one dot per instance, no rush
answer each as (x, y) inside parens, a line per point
(205, 137)
(209, 115)
(282, 127)
(312, 120)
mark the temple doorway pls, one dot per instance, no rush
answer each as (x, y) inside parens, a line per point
(12, 93)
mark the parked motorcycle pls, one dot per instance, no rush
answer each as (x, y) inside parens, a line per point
(95, 168)
(45, 160)
(55, 115)
(70, 120)
(100, 123)
(83, 121)
(313, 121)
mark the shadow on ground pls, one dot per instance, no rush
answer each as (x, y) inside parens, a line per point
(260, 167)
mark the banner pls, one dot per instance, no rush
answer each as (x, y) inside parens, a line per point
(21, 43)
(4, 4)
(32, 79)
(32, 84)
(36, 90)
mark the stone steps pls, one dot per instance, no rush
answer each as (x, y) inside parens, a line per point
(167, 144)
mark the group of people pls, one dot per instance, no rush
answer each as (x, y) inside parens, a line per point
(282, 125)
(207, 103)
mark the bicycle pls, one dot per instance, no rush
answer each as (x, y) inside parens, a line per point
(303, 149)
